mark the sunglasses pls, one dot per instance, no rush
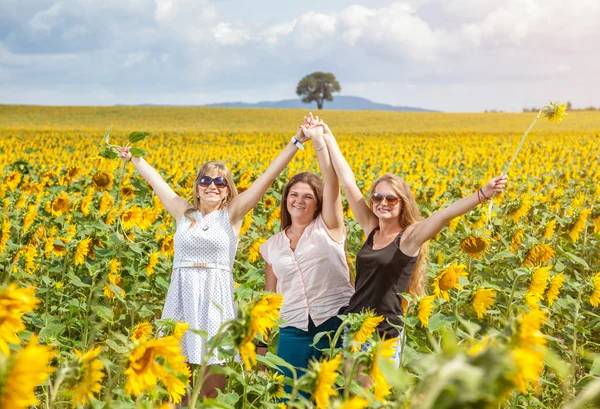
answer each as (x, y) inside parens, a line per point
(390, 199)
(220, 182)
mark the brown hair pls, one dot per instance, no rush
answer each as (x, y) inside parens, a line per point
(409, 214)
(211, 167)
(316, 185)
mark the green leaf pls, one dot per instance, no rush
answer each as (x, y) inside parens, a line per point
(76, 281)
(115, 347)
(137, 136)
(52, 329)
(274, 359)
(137, 152)
(105, 313)
(107, 135)
(109, 153)
(437, 321)
(576, 259)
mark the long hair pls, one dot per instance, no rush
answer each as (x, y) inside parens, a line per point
(211, 167)
(316, 185)
(409, 214)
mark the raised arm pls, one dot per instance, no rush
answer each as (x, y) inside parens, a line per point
(363, 214)
(174, 204)
(419, 233)
(246, 200)
(333, 212)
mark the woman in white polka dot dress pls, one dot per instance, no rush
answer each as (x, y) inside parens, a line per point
(201, 289)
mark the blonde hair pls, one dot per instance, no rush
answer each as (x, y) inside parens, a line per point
(211, 167)
(409, 214)
(315, 183)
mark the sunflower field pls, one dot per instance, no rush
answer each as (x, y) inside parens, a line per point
(511, 319)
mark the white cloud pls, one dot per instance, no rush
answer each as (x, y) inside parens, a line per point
(135, 58)
(227, 34)
(186, 20)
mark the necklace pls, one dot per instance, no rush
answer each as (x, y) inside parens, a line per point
(296, 234)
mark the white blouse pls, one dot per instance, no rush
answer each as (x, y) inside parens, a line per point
(313, 279)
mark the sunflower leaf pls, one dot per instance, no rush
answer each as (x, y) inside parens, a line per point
(137, 136)
(137, 152)
(107, 135)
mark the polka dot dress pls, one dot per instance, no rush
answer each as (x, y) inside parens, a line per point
(202, 297)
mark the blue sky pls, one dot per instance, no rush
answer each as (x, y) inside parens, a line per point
(454, 55)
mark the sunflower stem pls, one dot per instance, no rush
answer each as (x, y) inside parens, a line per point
(510, 299)
(507, 167)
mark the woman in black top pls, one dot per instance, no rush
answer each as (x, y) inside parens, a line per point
(392, 260)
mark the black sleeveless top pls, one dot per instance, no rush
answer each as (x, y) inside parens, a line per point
(380, 276)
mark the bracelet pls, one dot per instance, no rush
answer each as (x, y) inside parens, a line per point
(297, 143)
(320, 149)
(479, 198)
(483, 194)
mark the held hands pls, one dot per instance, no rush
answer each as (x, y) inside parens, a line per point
(312, 128)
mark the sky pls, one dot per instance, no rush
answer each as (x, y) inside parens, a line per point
(453, 55)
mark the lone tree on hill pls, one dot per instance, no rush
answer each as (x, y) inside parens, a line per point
(318, 86)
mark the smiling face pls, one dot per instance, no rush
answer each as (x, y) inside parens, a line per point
(383, 209)
(211, 195)
(301, 202)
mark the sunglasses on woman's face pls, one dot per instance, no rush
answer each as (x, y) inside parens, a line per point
(220, 182)
(390, 199)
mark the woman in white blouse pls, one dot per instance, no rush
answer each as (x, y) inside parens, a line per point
(306, 261)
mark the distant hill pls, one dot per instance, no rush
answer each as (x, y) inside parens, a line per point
(339, 102)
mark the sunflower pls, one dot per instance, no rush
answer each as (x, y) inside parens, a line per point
(106, 202)
(127, 192)
(448, 279)
(474, 246)
(383, 350)
(152, 263)
(538, 255)
(363, 329)
(248, 353)
(141, 332)
(355, 403)
(131, 217)
(59, 247)
(157, 360)
(326, 375)
(265, 313)
(254, 249)
(539, 281)
(529, 364)
(579, 225)
(530, 324)
(114, 279)
(595, 297)
(549, 229)
(166, 246)
(275, 386)
(13, 180)
(180, 329)
(89, 376)
(269, 202)
(83, 249)
(425, 309)
(102, 181)
(14, 302)
(525, 205)
(28, 369)
(516, 240)
(482, 300)
(554, 111)
(554, 288)
(60, 205)
(247, 223)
